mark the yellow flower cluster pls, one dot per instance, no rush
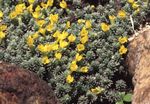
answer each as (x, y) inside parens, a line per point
(47, 48)
(80, 47)
(2, 28)
(62, 41)
(19, 8)
(122, 49)
(61, 38)
(135, 6)
(106, 27)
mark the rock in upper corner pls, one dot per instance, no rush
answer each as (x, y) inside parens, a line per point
(19, 86)
(138, 48)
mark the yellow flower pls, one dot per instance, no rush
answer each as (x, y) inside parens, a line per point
(44, 5)
(35, 35)
(123, 40)
(36, 15)
(112, 18)
(81, 21)
(12, 15)
(48, 47)
(68, 24)
(63, 35)
(45, 60)
(63, 4)
(30, 41)
(58, 56)
(105, 27)
(88, 24)
(69, 79)
(84, 69)
(53, 18)
(73, 66)
(135, 5)
(78, 57)
(38, 9)
(40, 22)
(42, 31)
(83, 32)
(2, 35)
(50, 2)
(97, 90)
(137, 11)
(3, 27)
(50, 27)
(72, 38)
(131, 1)
(84, 39)
(55, 46)
(41, 48)
(30, 8)
(56, 34)
(63, 44)
(19, 8)
(121, 14)
(80, 47)
(44, 48)
(31, 1)
(1, 14)
(122, 50)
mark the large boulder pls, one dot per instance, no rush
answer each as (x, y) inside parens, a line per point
(138, 61)
(19, 86)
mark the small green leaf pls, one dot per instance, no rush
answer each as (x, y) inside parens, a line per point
(122, 94)
(127, 97)
(119, 102)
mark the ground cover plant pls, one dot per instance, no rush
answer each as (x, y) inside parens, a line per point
(76, 46)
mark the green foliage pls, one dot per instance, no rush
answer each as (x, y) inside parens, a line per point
(124, 98)
(101, 54)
